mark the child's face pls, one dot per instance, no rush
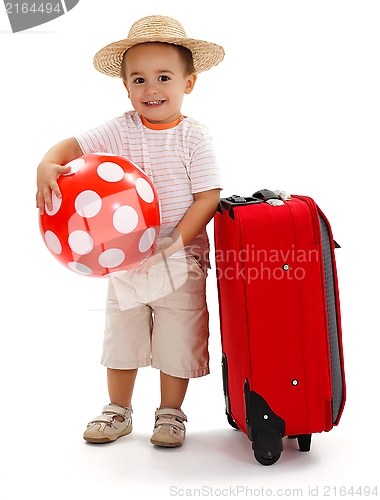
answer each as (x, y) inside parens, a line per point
(156, 81)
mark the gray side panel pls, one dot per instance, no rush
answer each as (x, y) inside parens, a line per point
(336, 365)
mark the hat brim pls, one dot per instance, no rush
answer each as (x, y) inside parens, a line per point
(205, 54)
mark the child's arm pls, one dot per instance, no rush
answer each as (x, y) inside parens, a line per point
(51, 168)
(195, 219)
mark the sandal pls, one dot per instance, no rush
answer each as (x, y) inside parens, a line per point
(169, 429)
(106, 428)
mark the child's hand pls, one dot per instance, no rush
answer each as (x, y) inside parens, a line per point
(47, 175)
(51, 168)
(157, 256)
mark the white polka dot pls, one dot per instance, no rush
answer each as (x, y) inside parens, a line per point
(52, 241)
(79, 268)
(88, 204)
(147, 239)
(80, 242)
(56, 202)
(111, 258)
(144, 190)
(110, 172)
(75, 165)
(125, 219)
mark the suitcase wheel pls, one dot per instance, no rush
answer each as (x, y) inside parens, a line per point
(266, 460)
(267, 445)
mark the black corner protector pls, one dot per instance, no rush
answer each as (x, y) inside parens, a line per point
(265, 429)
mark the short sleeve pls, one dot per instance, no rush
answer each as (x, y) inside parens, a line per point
(204, 170)
(106, 138)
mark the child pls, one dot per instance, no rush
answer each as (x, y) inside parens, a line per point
(157, 313)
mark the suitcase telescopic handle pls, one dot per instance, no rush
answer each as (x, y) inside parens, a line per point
(236, 201)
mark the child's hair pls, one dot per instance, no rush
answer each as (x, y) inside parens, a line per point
(184, 53)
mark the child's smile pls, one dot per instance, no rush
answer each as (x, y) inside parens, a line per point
(155, 103)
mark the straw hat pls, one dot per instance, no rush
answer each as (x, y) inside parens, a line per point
(157, 29)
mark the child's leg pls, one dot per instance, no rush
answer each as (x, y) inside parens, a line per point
(120, 386)
(179, 346)
(173, 390)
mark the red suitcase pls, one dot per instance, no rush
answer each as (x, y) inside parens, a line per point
(283, 371)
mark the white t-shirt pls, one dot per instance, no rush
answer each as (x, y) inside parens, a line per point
(178, 157)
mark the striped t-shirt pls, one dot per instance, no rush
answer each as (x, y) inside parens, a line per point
(178, 157)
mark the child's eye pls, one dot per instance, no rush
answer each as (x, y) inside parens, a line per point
(163, 78)
(139, 80)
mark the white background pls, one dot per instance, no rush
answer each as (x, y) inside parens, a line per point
(295, 105)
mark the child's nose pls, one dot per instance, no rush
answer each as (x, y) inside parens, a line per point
(151, 89)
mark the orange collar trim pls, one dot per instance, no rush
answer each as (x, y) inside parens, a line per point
(160, 126)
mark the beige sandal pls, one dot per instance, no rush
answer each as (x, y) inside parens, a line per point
(169, 429)
(106, 428)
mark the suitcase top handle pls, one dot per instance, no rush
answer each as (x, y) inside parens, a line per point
(266, 195)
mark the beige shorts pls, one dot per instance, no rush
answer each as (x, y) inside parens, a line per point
(159, 318)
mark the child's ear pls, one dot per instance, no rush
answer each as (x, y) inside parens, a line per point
(191, 79)
(126, 86)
